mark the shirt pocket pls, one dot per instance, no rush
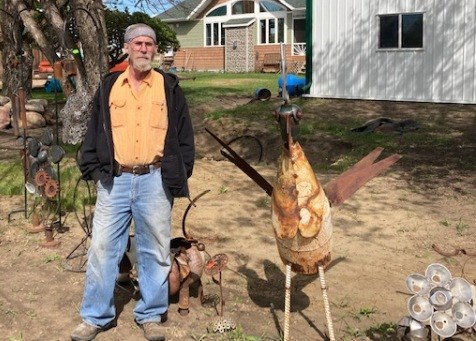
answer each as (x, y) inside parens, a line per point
(158, 115)
(118, 113)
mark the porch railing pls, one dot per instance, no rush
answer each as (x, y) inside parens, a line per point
(299, 49)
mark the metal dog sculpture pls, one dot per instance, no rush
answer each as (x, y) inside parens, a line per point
(188, 261)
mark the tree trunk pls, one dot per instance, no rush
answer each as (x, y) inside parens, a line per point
(17, 57)
(91, 65)
(88, 15)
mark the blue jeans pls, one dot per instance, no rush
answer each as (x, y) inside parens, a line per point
(143, 199)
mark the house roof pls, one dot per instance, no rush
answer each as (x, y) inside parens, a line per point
(189, 9)
(181, 11)
(239, 22)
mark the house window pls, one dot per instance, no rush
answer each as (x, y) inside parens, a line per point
(401, 31)
(268, 6)
(217, 12)
(243, 7)
(215, 34)
(272, 31)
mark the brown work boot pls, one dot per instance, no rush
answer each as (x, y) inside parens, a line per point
(85, 332)
(153, 331)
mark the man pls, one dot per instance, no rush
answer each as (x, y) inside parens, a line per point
(139, 149)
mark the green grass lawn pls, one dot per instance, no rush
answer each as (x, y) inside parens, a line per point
(201, 87)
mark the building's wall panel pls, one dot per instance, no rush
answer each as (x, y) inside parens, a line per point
(239, 49)
(189, 33)
(210, 58)
(348, 64)
(213, 58)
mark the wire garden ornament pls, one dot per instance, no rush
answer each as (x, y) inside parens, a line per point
(443, 302)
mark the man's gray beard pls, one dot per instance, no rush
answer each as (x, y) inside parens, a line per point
(142, 65)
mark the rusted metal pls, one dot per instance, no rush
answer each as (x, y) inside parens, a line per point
(184, 218)
(213, 267)
(216, 264)
(300, 204)
(49, 241)
(345, 185)
(187, 268)
(184, 297)
(51, 188)
(22, 109)
(15, 114)
(249, 137)
(288, 117)
(36, 227)
(243, 165)
(452, 252)
(300, 214)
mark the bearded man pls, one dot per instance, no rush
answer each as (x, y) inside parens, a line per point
(139, 149)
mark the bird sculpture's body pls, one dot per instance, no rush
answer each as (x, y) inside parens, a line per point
(301, 214)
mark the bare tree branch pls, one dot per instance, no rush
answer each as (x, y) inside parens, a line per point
(32, 27)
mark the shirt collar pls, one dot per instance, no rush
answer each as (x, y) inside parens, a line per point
(124, 77)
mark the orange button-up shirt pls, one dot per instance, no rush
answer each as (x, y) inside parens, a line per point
(139, 119)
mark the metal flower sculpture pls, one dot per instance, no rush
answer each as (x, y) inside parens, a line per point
(42, 182)
(440, 301)
(213, 267)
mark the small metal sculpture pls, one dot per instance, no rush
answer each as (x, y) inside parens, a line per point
(440, 303)
(43, 182)
(214, 267)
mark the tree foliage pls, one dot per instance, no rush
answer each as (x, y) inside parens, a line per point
(116, 24)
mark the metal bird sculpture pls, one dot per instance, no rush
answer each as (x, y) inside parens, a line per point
(300, 205)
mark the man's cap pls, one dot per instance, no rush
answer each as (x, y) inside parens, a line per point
(137, 30)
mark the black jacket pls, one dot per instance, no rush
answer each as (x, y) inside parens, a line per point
(96, 157)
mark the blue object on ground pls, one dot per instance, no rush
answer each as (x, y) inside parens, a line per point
(294, 84)
(52, 85)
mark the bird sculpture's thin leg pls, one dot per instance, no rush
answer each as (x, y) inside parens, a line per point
(326, 303)
(287, 302)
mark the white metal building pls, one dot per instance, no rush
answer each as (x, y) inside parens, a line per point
(404, 50)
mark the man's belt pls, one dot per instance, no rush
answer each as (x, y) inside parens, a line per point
(137, 169)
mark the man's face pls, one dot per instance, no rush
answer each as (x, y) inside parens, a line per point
(141, 51)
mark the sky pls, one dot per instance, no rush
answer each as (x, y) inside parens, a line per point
(151, 7)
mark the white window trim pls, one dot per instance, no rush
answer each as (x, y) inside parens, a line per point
(219, 22)
(267, 30)
(400, 48)
(257, 15)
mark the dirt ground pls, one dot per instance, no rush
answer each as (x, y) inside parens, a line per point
(381, 235)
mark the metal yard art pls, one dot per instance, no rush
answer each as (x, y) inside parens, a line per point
(301, 206)
(439, 302)
(42, 181)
